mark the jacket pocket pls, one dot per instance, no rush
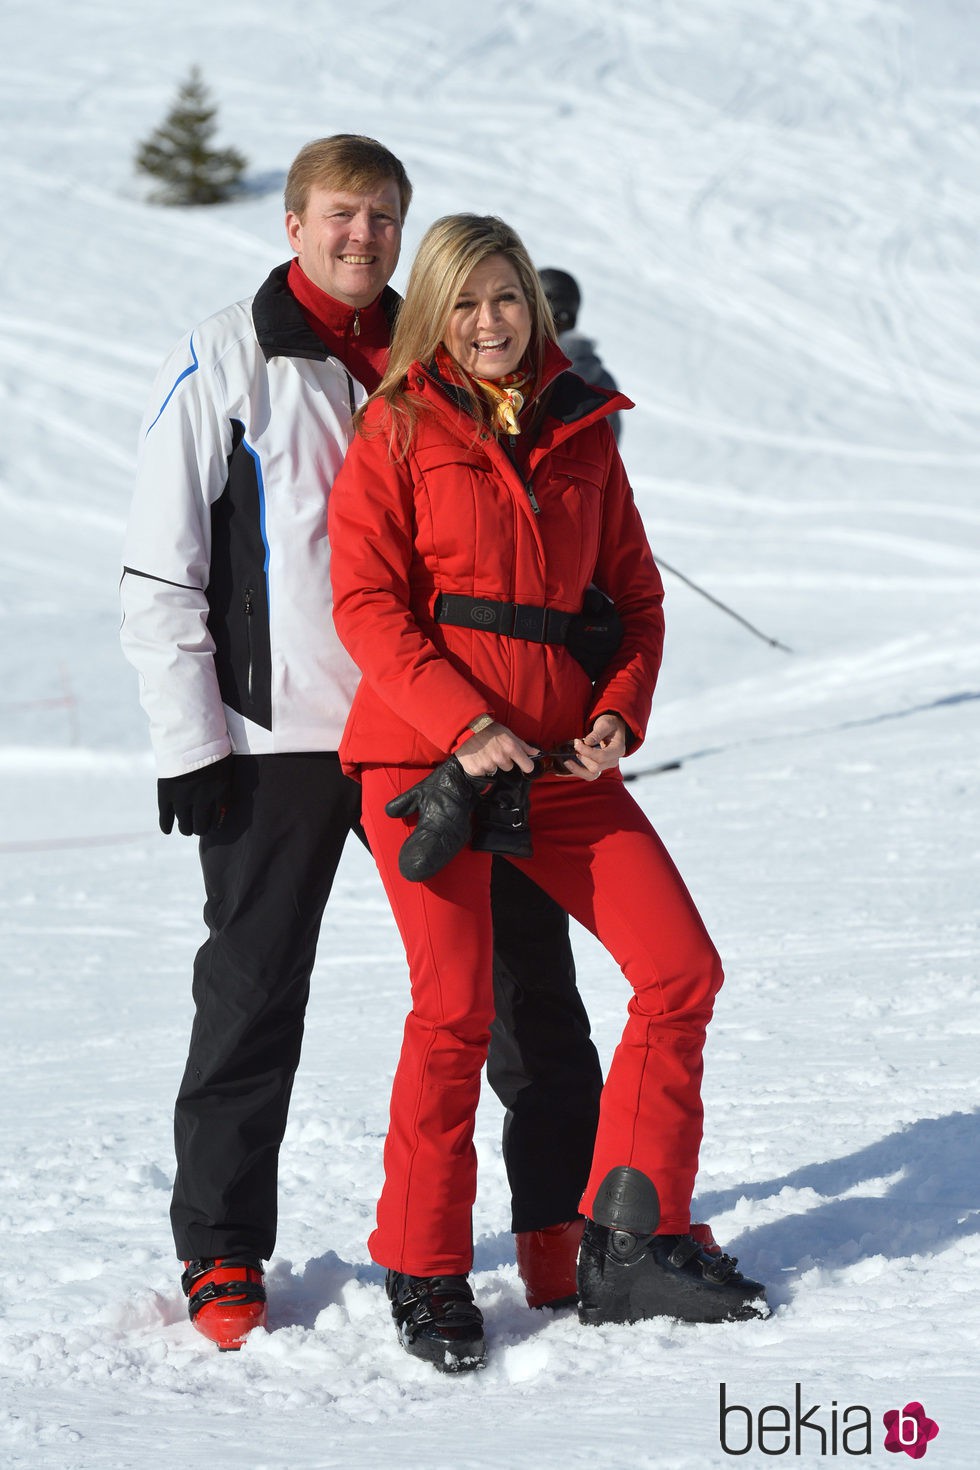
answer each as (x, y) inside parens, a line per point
(575, 495)
(238, 599)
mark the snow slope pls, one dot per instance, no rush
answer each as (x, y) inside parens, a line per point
(772, 208)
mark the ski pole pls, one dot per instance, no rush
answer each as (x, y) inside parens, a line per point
(773, 642)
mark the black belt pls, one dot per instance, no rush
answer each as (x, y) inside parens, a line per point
(509, 619)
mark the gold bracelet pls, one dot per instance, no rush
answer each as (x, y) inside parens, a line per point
(480, 723)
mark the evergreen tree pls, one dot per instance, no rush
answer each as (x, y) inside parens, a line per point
(178, 152)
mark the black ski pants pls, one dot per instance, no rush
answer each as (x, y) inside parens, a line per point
(268, 871)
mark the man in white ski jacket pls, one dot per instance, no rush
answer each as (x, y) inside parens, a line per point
(227, 619)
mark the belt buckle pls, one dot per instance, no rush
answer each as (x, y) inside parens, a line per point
(530, 622)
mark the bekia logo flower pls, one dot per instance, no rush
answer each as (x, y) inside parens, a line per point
(909, 1429)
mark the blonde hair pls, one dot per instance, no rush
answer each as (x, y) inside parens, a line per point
(448, 252)
(344, 161)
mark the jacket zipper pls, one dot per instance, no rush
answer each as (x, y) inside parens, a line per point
(249, 609)
(510, 443)
(512, 455)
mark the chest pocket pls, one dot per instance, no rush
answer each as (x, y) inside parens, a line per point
(462, 516)
(572, 493)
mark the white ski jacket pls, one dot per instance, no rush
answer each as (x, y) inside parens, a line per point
(225, 591)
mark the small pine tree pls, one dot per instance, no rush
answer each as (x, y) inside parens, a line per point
(178, 151)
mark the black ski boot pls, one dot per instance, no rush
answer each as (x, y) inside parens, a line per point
(628, 1274)
(438, 1320)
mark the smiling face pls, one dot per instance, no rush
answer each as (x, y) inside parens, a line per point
(490, 323)
(348, 243)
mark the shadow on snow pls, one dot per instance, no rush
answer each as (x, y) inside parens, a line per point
(927, 1198)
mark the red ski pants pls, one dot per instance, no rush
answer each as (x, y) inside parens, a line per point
(597, 854)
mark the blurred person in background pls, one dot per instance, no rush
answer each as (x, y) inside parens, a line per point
(565, 300)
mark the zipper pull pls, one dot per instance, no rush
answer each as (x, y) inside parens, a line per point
(512, 451)
(248, 638)
(357, 321)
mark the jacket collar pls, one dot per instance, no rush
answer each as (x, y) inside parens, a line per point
(336, 320)
(281, 329)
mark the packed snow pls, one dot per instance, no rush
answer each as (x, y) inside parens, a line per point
(772, 209)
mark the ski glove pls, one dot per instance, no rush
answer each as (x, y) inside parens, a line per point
(444, 801)
(500, 821)
(198, 799)
(595, 633)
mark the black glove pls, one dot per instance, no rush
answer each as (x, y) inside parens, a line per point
(500, 821)
(595, 633)
(444, 801)
(198, 799)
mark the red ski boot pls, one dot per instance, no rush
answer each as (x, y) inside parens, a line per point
(546, 1261)
(225, 1299)
(705, 1239)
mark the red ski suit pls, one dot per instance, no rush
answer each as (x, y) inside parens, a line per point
(456, 515)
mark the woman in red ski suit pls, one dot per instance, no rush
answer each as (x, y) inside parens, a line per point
(438, 496)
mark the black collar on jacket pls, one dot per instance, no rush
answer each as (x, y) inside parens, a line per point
(570, 399)
(280, 326)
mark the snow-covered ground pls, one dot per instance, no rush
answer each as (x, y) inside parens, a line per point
(772, 208)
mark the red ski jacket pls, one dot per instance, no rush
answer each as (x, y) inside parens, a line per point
(456, 515)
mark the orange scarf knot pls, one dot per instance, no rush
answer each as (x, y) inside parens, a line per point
(506, 398)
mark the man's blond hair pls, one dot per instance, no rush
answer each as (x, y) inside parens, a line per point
(346, 161)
